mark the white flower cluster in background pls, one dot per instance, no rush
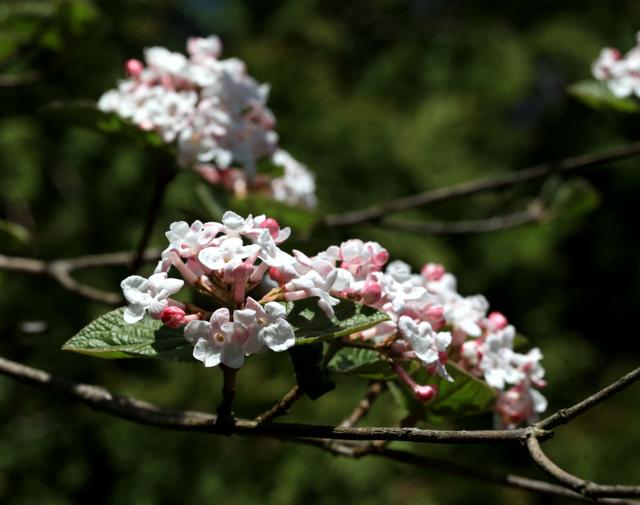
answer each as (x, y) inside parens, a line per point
(214, 113)
(429, 321)
(620, 73)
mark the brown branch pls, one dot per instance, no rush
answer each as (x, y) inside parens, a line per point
(362, 409)
(563, 416)
(61, 270)
(581, 486)
(282, 406)
(148, 414)
(376, 212)
(508, 480)
(533, 214)
(145, 413)
(225, 412)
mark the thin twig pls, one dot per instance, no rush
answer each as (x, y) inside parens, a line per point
(145, 413)
(563, 416)
(533, 214)
(225, 409)
(60, 270)
(581, 486)
(375, 212)
(362, 409)
(282, 406)
(162, 182)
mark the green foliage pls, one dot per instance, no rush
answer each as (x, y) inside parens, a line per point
(111, 337)
(312, 325)
(465, 396)
(596, 94)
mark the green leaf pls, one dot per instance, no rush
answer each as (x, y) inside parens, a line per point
(85, 114)
(466, 395)
(311, 373)
(596, 94)
(574, 198)
(110, 337)
(312, 325)
(14, 234)
(365, 363)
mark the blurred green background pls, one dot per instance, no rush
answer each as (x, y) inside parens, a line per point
(380, 98)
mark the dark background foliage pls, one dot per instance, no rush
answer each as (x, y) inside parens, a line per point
(381, 98)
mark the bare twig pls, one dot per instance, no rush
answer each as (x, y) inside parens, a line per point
(145, 413)
(533, 214)
(362, 409)
(225, 409)
(376, 212)
(60, 270)
(581, 486)
(282, 406)
(162, 181)
(563, 416)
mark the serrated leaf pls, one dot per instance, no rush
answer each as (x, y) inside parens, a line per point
(596, 94)
(466, 395)
(312, 325)
(365, 363)
(111, 337)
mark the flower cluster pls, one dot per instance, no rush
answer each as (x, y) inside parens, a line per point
(240, 259)
(620, 73)
(214, 113)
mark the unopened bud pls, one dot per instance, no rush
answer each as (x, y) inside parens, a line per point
(371, 293)
(432, 271)
(498, 320)
(134, 67)
(425, 393)
(173, 317)
(272, 225)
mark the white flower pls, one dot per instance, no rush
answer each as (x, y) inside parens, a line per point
(228, 254)
(466, 313)
(427, 345)
(268, 323)
(297, 186)
(150, 295)
(218, 340)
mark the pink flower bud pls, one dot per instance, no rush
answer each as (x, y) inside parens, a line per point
(272, 225)
(498, 320)
(371, 293)
(381, 258)
(277, 276)
(134, 67)
(432, 271)
(425, 393)
(173, 317)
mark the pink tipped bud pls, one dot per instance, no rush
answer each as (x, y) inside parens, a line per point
(173, 317)
(498, 320)
(272, 225)
(134, 67)
(371, 293)
(432, 271)
(425, 393)
(277, 276)
(381, 258)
